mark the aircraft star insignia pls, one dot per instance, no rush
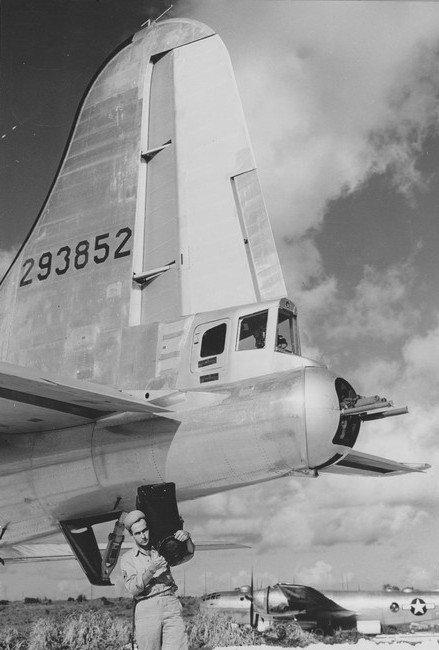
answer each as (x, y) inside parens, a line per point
(418, 607)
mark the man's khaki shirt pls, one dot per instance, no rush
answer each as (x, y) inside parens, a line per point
(138, 580)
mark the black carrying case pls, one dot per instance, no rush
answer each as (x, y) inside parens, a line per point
(159, 503)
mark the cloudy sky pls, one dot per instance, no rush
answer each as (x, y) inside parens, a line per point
(342, 104)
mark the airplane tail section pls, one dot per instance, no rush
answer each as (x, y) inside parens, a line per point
(156, 213)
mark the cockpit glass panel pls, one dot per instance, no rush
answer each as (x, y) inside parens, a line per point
(285, 332)
(283, 598)
(252, 331)
(213, 341)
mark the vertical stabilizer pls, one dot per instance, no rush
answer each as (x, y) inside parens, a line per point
(155, 213)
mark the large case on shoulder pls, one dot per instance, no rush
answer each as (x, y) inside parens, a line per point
(159, 503)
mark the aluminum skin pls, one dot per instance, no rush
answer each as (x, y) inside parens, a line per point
(328, 610)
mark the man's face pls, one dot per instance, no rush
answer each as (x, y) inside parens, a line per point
(140, 533)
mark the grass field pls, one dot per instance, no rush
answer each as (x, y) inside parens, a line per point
(105, 624)
(74, 624)
(21, 615)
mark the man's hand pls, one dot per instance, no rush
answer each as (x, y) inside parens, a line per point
(157, 563)
(182, 535)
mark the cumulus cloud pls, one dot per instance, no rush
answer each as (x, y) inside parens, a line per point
(421, 355)
(290, 516)
(327, 118)
(373, 524)
(416, 382)
(413, 115)
(320, 574)
(411, 379)
(242, 514)
(379, 307)
(365, 375)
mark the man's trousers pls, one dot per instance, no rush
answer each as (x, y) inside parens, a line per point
(159, 624)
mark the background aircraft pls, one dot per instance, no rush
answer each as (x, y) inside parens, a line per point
(367, 611)
(145, 332)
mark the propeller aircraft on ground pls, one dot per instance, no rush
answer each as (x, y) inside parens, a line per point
(327, 611)
(146, 335)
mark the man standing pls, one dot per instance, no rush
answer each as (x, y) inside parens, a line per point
(158, 617)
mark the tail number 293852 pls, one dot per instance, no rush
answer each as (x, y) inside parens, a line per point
(68, 258)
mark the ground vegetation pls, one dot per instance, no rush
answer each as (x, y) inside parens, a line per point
(106, 623)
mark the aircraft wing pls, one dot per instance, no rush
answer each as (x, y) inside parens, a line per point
(57, 552)
(31, 402)
(356, 462)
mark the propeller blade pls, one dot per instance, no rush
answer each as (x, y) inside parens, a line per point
(251, 600)
(253, 618)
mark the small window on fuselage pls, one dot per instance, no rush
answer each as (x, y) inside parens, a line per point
(213, 341)
(252, 331)
(285, 332)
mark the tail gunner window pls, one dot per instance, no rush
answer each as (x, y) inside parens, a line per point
(285, 334)
(252, 331)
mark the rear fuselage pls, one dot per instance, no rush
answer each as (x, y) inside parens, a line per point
(222, 434)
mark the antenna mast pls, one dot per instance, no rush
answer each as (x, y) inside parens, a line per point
(162, 14)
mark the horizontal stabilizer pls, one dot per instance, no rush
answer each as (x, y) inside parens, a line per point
(219, 546)
(30, 402)
(35, 553)
(53, 552)
(358, 463)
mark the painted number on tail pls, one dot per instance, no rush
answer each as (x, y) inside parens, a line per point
(68, 258)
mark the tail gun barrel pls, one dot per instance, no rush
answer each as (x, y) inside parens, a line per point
(372, 408)
(385, 414)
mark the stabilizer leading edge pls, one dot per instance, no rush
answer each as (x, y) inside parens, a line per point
(30, 403)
